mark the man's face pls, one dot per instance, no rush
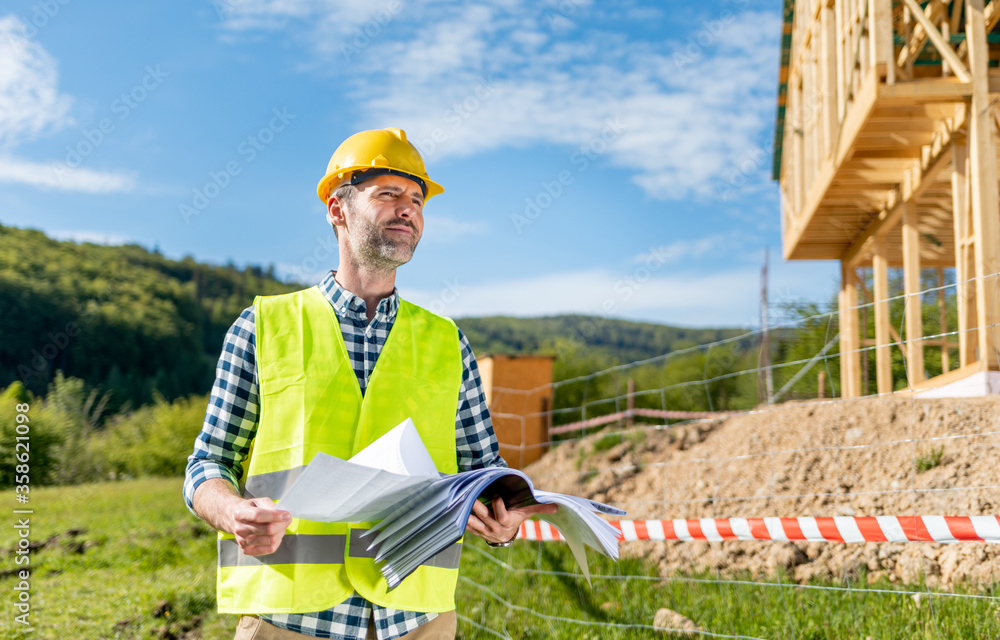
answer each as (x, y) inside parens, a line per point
(385, 221)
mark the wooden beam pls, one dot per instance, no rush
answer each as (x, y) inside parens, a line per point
(991, 15)
(914, 41)
(883, 356)
(828, 69)
(848, 130)
(890, 216)
(943, 321)
(850, 353)
(985, 198)
(880, 37)
(911, 286)
(939, 42)
(964, 266)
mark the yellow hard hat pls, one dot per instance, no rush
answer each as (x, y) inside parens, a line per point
(373, 153)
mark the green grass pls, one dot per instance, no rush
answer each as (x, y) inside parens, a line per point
(141, 547)
(930, 460)
(624, 602)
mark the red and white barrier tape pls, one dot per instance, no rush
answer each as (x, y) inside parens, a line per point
(835, 529)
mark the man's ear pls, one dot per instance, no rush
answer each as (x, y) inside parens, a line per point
(335, 213)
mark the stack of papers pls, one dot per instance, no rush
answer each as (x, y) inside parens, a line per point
(420, 512)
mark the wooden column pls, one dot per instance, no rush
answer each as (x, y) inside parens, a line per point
(965, 291)
(911, 286)
(828, 69)
(850, 343)
(984, 197)
(883, 355)
(943, 322)
(880, 34)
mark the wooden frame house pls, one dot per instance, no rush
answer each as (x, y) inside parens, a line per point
(886, 156)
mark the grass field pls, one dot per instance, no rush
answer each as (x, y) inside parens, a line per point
(126, 560)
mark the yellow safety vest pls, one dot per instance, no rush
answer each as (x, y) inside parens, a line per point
(310, 402)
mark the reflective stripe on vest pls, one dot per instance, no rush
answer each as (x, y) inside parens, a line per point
(320, 549)
(310, 401)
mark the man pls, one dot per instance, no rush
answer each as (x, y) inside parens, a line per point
(331, 369)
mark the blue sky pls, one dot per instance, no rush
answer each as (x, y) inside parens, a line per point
(609, 158)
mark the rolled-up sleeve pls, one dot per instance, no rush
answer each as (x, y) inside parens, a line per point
(231, 417)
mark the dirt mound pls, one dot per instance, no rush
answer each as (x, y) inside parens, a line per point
(866, 457)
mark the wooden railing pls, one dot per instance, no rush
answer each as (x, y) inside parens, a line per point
(839, 47)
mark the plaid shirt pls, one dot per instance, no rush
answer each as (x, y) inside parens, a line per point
(231, 423)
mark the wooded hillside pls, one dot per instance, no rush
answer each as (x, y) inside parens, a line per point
(133, 322)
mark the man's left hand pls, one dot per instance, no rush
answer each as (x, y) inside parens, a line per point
(500, 524)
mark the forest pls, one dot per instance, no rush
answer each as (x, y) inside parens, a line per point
(115, 347)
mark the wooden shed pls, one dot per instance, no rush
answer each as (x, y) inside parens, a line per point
(886, 155)
(519, 394)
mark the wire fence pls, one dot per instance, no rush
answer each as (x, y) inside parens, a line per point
(645, 448)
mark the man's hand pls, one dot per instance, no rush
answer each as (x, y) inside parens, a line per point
(259, 526)
(500, 525)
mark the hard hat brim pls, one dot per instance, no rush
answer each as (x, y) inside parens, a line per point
(333, 180)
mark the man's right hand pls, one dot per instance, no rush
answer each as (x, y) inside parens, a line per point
(259, 526)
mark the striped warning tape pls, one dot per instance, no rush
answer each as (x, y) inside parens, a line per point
(834, 529)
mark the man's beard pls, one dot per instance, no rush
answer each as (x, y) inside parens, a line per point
(377, 249)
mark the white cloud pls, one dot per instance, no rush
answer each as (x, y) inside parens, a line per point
(30, 102)
(727, 298)
(494, 75)
(445, 230)
(649, 292)
(31, 106)
(56, 175)
(684, 249)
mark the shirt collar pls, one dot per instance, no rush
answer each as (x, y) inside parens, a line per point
(348, 305)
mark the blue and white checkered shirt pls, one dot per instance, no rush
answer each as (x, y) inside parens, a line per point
(231, 424)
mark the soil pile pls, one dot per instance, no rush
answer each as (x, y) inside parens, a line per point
(866, 457)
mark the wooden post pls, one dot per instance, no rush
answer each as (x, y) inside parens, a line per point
(630, 402)
(965, 291)
(943, 321)
(821, 384)
(911, 286)
(866, 378)
(828, 68)
(880, 30)
(883, 355)
(850, 354)
(985, 198)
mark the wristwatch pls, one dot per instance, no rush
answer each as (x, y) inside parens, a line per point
(501, 545)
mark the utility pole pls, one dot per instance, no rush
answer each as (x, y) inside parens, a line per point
(766, 377)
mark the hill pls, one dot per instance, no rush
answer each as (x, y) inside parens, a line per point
(136, 323)
(120, 317)
(876, 456)
(618, 341)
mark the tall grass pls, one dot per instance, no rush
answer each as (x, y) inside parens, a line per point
(73, 441)
(127, 560)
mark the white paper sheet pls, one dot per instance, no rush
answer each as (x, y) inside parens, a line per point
(399, 451)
